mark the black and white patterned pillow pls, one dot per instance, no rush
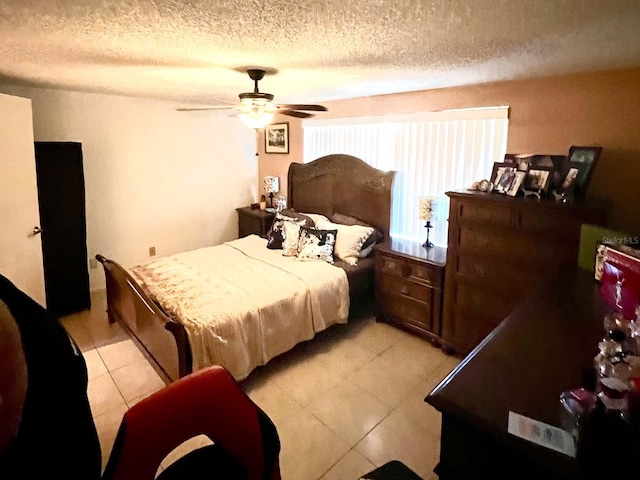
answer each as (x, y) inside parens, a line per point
(275, 235)
(316, 244)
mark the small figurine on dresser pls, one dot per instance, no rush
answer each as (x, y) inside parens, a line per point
(610, 406)
(618, 364)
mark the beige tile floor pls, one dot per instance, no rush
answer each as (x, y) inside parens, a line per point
(347, 401)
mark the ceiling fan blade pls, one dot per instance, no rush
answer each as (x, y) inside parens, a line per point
(295, 113)
(198, 109)
(314, 108)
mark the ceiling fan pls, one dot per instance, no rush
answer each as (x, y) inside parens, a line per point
(257, 108)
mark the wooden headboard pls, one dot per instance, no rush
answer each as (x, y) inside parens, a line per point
(342, 184)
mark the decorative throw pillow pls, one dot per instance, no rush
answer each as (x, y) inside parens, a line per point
(374, 238)
(275, 235)
(291, 213)
(316, 217)
(316, 244)
(291, 236)
(349, 240)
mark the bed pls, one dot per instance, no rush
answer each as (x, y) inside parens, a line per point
(331, 184)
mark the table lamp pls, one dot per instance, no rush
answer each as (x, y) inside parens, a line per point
(427, 212)
(271, 186)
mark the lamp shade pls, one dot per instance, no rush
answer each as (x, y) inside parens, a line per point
(427, 208)
(271, 184)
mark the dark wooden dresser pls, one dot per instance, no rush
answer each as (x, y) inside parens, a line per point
(545, 346)
(256, 222)
(500, 248)
(409, 280)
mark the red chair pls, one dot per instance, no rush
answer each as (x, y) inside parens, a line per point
(209, 401)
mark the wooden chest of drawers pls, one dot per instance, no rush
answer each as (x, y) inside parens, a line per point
(256, 222)
(499, 249)
(409, 281)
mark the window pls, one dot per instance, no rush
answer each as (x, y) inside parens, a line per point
(432, 153)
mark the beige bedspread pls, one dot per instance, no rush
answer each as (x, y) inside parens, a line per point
(243, 304)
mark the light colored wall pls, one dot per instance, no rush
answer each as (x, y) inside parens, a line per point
(547, 116)
(277, 164)
(153, 176)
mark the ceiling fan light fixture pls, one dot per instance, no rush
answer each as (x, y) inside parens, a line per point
(257, 108)
(256, 117)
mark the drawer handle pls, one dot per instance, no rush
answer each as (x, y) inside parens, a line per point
(421, 279)
(478, 269)
(404, 290)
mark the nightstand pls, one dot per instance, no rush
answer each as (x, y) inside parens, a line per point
(253, 221)
(409, 281)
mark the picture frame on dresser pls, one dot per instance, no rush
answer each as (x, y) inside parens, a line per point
(502, 176)
(585, 160)
(538, 179)
(570, 179)
(516, 183)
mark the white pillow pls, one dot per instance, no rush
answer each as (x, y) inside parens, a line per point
(291, 236)
(349, 239)
(316, 217)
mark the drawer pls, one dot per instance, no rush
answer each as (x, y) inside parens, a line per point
(548, 223)
(498, 273)
(409, 310)
(484, 241)
(393, 266)
(473, 299)
(517, 247)
(425, 274)
(248, 225)
(399, 286)
(469, 330)
(495, 215)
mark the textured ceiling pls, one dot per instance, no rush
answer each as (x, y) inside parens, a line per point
(191, 50)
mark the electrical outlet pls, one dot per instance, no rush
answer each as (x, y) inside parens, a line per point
(152, 251)
(93, 263)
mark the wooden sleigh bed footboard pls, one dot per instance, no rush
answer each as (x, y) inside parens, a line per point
(164, 340)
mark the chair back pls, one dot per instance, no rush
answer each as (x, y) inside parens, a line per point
(207, 402)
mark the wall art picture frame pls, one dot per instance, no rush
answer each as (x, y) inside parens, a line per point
(276, 138)
(585, 159)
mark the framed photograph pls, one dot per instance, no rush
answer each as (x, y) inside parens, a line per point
(276, 138)
(587, 158)
(557, 162)
(569, 182)
(516, 184)
(538, 179)
(502, 176)
(494, 172)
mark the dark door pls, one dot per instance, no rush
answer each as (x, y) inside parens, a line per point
(61, 201)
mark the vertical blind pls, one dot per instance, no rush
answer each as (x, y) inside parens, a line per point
(432, 153)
